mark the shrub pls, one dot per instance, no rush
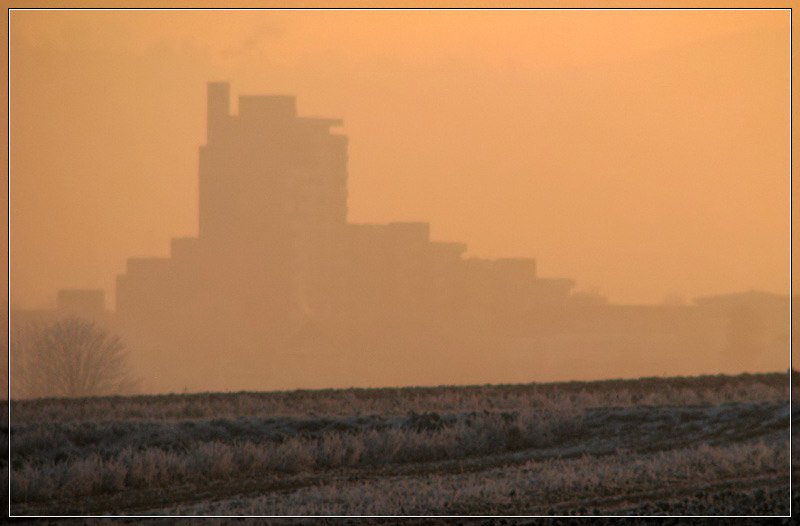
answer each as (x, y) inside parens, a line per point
(68, 358)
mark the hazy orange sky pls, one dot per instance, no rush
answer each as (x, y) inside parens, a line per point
(642, 153)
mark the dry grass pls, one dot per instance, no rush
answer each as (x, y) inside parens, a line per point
(417, 438)
(510, 488)
(702, 390)
(80, 448)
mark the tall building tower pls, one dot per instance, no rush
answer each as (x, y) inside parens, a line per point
(273, 201)
(269, 180)
(278, 283)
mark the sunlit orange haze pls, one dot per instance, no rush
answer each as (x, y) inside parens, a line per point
(645, 154)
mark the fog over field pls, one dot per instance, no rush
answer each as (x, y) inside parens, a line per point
(399, 262)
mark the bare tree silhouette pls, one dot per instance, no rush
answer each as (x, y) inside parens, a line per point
(68, 358)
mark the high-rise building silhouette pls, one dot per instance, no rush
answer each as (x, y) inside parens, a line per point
(275, 247)
(280, 290)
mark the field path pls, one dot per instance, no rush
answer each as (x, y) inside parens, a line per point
(606, 432)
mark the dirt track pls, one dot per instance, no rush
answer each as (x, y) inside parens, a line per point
(613, 434)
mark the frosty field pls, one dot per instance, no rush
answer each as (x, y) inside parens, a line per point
(703, 445)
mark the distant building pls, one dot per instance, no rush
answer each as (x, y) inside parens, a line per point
(82, 303)
(276, 259)
(279, 289)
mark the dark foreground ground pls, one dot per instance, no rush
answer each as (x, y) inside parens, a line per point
(682, 446)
